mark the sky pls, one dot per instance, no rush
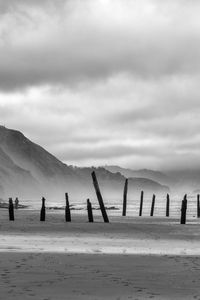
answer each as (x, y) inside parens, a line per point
(100, 82)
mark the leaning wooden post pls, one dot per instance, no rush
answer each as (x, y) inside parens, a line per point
(67, 209)
(43, 211)
(89, 209)
(167, 206)
(198, 207)
(141, 203)
(125, 197)
(99, 197)
(183, 210)
(152, 205)
(11, 210)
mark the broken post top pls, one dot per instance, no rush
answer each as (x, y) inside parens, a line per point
(67, 199)
(126, 185)
(43, 201)
(10, 201)
(94, 176)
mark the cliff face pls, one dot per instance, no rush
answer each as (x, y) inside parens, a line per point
(27, 170)
(31, 168)
(31, 156)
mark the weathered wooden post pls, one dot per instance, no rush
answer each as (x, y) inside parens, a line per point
(89, 209)
(11, 210)
(167, 206)
(67, 209)
(125, 197)
(198, 207)
(43, 211)
(152, 205)
(99, 197)
(183, 210)
(141, 203)
(16, 203)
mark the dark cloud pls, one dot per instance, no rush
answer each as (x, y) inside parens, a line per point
(86, 41)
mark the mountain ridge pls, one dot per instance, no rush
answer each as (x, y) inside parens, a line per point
(33, 170)
(154, 175)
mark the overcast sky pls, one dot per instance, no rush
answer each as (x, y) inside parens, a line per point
(104, 81)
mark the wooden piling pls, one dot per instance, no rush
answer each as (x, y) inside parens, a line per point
(16, 203)
(125, 197)
(152, 205)
(67, 209)
(89, 209)
(184, 210)
(198, 206)
(141, 203)
(43, 211)
(167, 205)
(99, 197)
(11, 210)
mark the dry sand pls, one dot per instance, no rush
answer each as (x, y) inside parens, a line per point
(129, 258)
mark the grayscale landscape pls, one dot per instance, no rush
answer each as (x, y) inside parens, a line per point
(99, 150)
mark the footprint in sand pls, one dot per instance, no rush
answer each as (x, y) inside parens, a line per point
(18, 266)
(140, 290)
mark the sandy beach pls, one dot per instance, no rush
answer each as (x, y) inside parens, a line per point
(129, 258)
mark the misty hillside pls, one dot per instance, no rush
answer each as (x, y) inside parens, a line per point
(14, 179)
(188, 181)
(23, 157)
(143, 173)
(28, 171)
(179, 181)
(31, 156)
(116, 181)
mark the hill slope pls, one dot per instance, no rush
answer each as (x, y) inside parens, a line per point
(143, 173)
(27, 170)
(13, 179)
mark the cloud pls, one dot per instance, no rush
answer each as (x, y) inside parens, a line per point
(84, 40)
(102, 81)
(124, 121)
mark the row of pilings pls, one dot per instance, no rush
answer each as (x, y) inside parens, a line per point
(102, 206)
(183, 204)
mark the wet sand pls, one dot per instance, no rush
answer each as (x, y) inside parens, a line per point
(130, 258)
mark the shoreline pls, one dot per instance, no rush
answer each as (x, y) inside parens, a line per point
(123, 235)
